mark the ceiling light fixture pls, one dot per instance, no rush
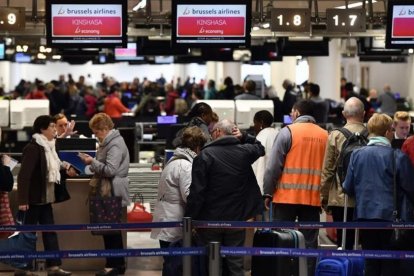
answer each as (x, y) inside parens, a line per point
(141, 5)
(354, 5)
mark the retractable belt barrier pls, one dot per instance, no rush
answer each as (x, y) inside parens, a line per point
(206, 224)
(214, 247)
(195, 251)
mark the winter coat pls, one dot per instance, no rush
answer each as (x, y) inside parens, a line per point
(112, 161)
(173, 189)
(223, 185)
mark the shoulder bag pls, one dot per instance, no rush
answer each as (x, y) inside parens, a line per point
(61, 192)
(104, 206)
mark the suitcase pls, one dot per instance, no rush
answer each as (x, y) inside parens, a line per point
(342, 266)
(276, 265)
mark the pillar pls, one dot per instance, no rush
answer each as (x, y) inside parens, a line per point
(326, 71)
(279, 71)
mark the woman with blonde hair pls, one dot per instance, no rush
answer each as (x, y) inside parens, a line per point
(112, 161)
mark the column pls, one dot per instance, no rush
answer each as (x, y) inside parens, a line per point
(326, 71)
(232, 70)
(180, 71)
(218, 71)
(410, 93)
(279, 71)
(5, 80)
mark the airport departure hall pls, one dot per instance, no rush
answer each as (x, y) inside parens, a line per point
(206, 137)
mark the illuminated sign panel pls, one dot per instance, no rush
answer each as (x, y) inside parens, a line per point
(212, 24)
(84, 24)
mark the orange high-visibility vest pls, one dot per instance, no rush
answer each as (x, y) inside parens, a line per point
(301, 175)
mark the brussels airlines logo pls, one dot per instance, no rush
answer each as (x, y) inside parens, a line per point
(186, 11)
(404, 12)
(61, 11)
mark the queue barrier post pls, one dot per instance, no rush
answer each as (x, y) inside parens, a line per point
(187, 233)
(214, 258)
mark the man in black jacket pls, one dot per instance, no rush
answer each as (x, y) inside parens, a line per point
(224, 187)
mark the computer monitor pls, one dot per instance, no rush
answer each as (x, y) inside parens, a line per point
(77, 144)
(2, 50)
(287, 120)
(24, 112)
(246, 109)
(82, 128)
(163, 125)
(225, 109)
(4, 110)
(168, 155)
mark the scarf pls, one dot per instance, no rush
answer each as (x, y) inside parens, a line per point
(52, 159)
(379, 140)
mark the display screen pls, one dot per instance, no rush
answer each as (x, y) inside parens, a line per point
(2, 51)
(22, 58)
(163, 59)
(400, 22)
(89, 23)
(206, 23)
(127, 54)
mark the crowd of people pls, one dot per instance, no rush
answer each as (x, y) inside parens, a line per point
(219, 172)
(236, 176)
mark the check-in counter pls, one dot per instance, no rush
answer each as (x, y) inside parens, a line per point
(74, 211)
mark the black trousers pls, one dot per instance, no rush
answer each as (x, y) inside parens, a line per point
(231, 265)
(43, 214)
(114, 241)
(165, 244)
(293, 212)
(378, 239)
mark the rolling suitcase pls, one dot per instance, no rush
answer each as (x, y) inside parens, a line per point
(275, 265)
(342, 266)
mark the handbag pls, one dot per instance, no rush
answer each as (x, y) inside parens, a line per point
(401, 239)
(6, 216)
(104, 209)
(138, 212)
(20, 241)
(61, 192)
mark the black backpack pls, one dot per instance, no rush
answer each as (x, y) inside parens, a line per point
(353, 141)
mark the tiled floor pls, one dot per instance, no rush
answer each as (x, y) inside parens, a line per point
(142, 266)
(145, 266)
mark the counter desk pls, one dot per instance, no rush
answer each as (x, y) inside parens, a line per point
(74, 211)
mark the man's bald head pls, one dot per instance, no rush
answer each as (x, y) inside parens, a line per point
(354, 109)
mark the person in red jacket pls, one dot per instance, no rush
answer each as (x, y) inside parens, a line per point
(408, 148)
(172, 94)
(113, 105)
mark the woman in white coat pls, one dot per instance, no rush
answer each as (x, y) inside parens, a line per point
(266, 134)
(174, 187)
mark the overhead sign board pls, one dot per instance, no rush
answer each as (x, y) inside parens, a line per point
(207, 20)
(290, 20)
(86, 23)
(12, 18)
(400, 22)
(345, 20)
(207, 23)
(86, 20)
